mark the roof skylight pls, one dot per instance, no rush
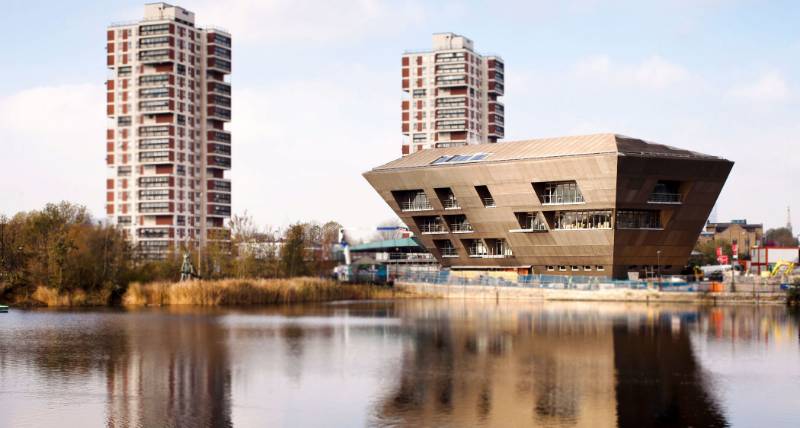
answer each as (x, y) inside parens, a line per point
(460, 158)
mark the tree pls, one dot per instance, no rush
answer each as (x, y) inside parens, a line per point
(708, 251)
(781, 237)
(293, 253)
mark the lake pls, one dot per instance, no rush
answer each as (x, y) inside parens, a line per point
(404, 363)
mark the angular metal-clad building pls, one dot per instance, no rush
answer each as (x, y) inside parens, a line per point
(601, 204)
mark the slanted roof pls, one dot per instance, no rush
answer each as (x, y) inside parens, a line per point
(581, 145)
(388, 245)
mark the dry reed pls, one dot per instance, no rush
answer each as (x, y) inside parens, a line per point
(51, 297)
(249, 292)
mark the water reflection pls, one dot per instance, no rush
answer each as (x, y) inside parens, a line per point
(411, 363)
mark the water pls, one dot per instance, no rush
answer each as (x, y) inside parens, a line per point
(410, 363)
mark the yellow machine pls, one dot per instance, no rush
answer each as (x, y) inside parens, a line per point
(782, 267)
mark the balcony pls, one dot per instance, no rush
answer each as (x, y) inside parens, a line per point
(219, 52)
(160, 92)
(154, 131)
(155, 42)
(161, 106)
(156, 56)
(219, 113)
(219, 64)
(154, 29)
(219, 149)
(450, 57)
(223, 137)
(154, 80)
(430, 225)
(664, 198)
(154, 233)
(219, 100)
(451, 125)
(454, 80)
(496, 87)
(219, 198)
(219, 161)
(155, 207)
(219, 210)
(559, 193)
(450, 102)
(451, 114)
(154, 195)
(219, 186)
(156, 157)
(219, 88)
(219, 40)
(458, 224)
(150, 182)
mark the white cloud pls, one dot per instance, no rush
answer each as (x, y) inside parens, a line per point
(53, 147)
(652, 73)
(769, 87)
(281, 21)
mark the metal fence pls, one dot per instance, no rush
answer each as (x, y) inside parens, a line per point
(671, 283)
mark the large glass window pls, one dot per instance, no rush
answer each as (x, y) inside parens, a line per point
(665, 192)
(458, 223)
(532, 221)
(412, 200)
(430, 224)
(569, 220)
(446, 248)
(475, 247)
(498, 248)
(638, 219)
(566, 192)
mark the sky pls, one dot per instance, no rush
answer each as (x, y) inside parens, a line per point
(316, 92)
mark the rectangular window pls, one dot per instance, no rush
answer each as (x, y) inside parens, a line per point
(531, 221)
(555, 193)
(475, 248)
(124, 71)
(157, 181)
(486, 196)
(638, 219)
(599, 268)
(458, 223)
(430, 224)
(446, 248)
(570, 220)
(551, 268)
(124, 121)
(412, 200)
(447, 198)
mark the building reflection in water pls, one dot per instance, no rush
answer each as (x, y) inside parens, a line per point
(563, 365)
(409, 363)
(178, 375)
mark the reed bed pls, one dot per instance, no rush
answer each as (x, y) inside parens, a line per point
(51, 297)
(249, 292)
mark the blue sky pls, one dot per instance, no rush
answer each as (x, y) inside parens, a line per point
(317, 92)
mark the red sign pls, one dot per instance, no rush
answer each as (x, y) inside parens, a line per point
(723, 260)
(735, 249)
(719, 252)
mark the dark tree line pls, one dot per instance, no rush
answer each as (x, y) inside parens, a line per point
(62, 248)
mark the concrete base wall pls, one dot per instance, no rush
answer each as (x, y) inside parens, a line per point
(609, 295)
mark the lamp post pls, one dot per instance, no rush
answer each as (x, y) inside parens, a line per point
(658, 264)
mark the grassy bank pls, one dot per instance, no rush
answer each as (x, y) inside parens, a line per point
(249, 292)
(218, 293)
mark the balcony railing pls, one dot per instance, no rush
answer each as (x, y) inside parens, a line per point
(431, 228)
(461, 228)
(416, 205)
(451, 204)
(154, 233)
(664, 198)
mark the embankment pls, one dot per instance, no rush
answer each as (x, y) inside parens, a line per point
(603, 295)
